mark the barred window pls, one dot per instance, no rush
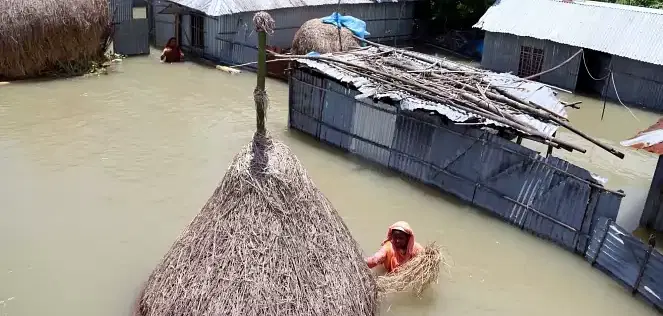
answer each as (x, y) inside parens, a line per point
(197, 31)
(531, 61)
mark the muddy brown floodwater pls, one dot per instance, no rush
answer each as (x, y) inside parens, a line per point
(99, 175)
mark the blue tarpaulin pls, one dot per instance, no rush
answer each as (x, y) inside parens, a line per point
(356, 26)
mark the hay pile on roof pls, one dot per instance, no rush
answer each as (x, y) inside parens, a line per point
(315, 36)
(267, 242)
(52, 37)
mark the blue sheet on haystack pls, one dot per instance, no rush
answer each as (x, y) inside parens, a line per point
(356, 26)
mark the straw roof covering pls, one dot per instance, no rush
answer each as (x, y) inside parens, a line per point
(267, 242)
(315, 36)
(49, 37)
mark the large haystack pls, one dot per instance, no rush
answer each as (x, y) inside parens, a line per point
(267, 243)
(51, 37)
(315, 36)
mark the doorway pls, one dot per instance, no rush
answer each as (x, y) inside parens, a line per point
(598, 65)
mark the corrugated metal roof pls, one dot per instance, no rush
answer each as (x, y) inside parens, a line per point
(626, 31)
(223, 7)
(650, 139)
(526, 90)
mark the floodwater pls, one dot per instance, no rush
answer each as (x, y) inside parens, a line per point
(99, 175)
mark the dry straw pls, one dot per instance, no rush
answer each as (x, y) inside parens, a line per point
(416, 275)
(315, 36)
(267, 242)
(52, 37)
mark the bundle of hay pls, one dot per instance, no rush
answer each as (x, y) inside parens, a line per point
(52, 37)
(415, 275)
(267, 242)
(315, 36)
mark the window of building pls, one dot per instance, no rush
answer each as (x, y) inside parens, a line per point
(531, 61)
(197, 31)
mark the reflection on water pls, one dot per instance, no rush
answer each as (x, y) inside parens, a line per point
(99, 175)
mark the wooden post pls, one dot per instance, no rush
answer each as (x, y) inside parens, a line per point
(264, 24)
(550, 148)
(177, 29)
(605, 89)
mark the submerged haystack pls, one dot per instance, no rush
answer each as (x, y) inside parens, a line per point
(52, 37)
(316, 36)
(267, 242)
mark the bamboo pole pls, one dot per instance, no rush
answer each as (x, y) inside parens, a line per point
(264, 24)
(544, 113)
(521, 105)
(433, 96)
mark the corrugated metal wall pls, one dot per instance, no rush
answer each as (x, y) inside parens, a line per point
(637, 83)
(185, 23)
(652, 215)
(132, 37)
(238, 40)
(501, 52)
(164, 24)
(546, 196)
(121, 10)
(628, 260)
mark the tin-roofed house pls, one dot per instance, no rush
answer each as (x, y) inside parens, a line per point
(622, 46)
(222, 30)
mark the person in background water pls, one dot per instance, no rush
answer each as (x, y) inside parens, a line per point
(172, 52)
(397, 249)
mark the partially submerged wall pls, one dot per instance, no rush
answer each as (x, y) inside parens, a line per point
(549, 197)
(636, 266)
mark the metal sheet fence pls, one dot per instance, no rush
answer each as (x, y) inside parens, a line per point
(132, 37)
(121, 10)
(637, 266)
(549, 197)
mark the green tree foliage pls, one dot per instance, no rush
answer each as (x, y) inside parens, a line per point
(657, 4)
(454, 14)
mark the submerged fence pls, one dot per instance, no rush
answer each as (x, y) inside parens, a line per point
(548, 197)
(628, 260)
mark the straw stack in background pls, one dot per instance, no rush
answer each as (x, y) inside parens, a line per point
(316, 36)
(52, 37)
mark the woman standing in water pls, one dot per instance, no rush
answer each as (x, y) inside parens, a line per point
(397, 249)
(172, 52)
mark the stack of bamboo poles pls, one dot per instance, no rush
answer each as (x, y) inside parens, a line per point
(464, 88)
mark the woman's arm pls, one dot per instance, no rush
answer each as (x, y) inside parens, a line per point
(378, 258)
(163, 53)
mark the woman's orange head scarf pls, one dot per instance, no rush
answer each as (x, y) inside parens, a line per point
(412, 246)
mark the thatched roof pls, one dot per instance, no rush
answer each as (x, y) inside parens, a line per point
(41, 37)
(267, 242)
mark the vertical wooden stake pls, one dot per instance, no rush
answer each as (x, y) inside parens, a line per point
(177, 29)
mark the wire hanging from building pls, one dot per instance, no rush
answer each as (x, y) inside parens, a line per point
(609, 77)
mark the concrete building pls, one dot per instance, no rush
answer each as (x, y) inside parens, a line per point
(222, 30)
(622, 46)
